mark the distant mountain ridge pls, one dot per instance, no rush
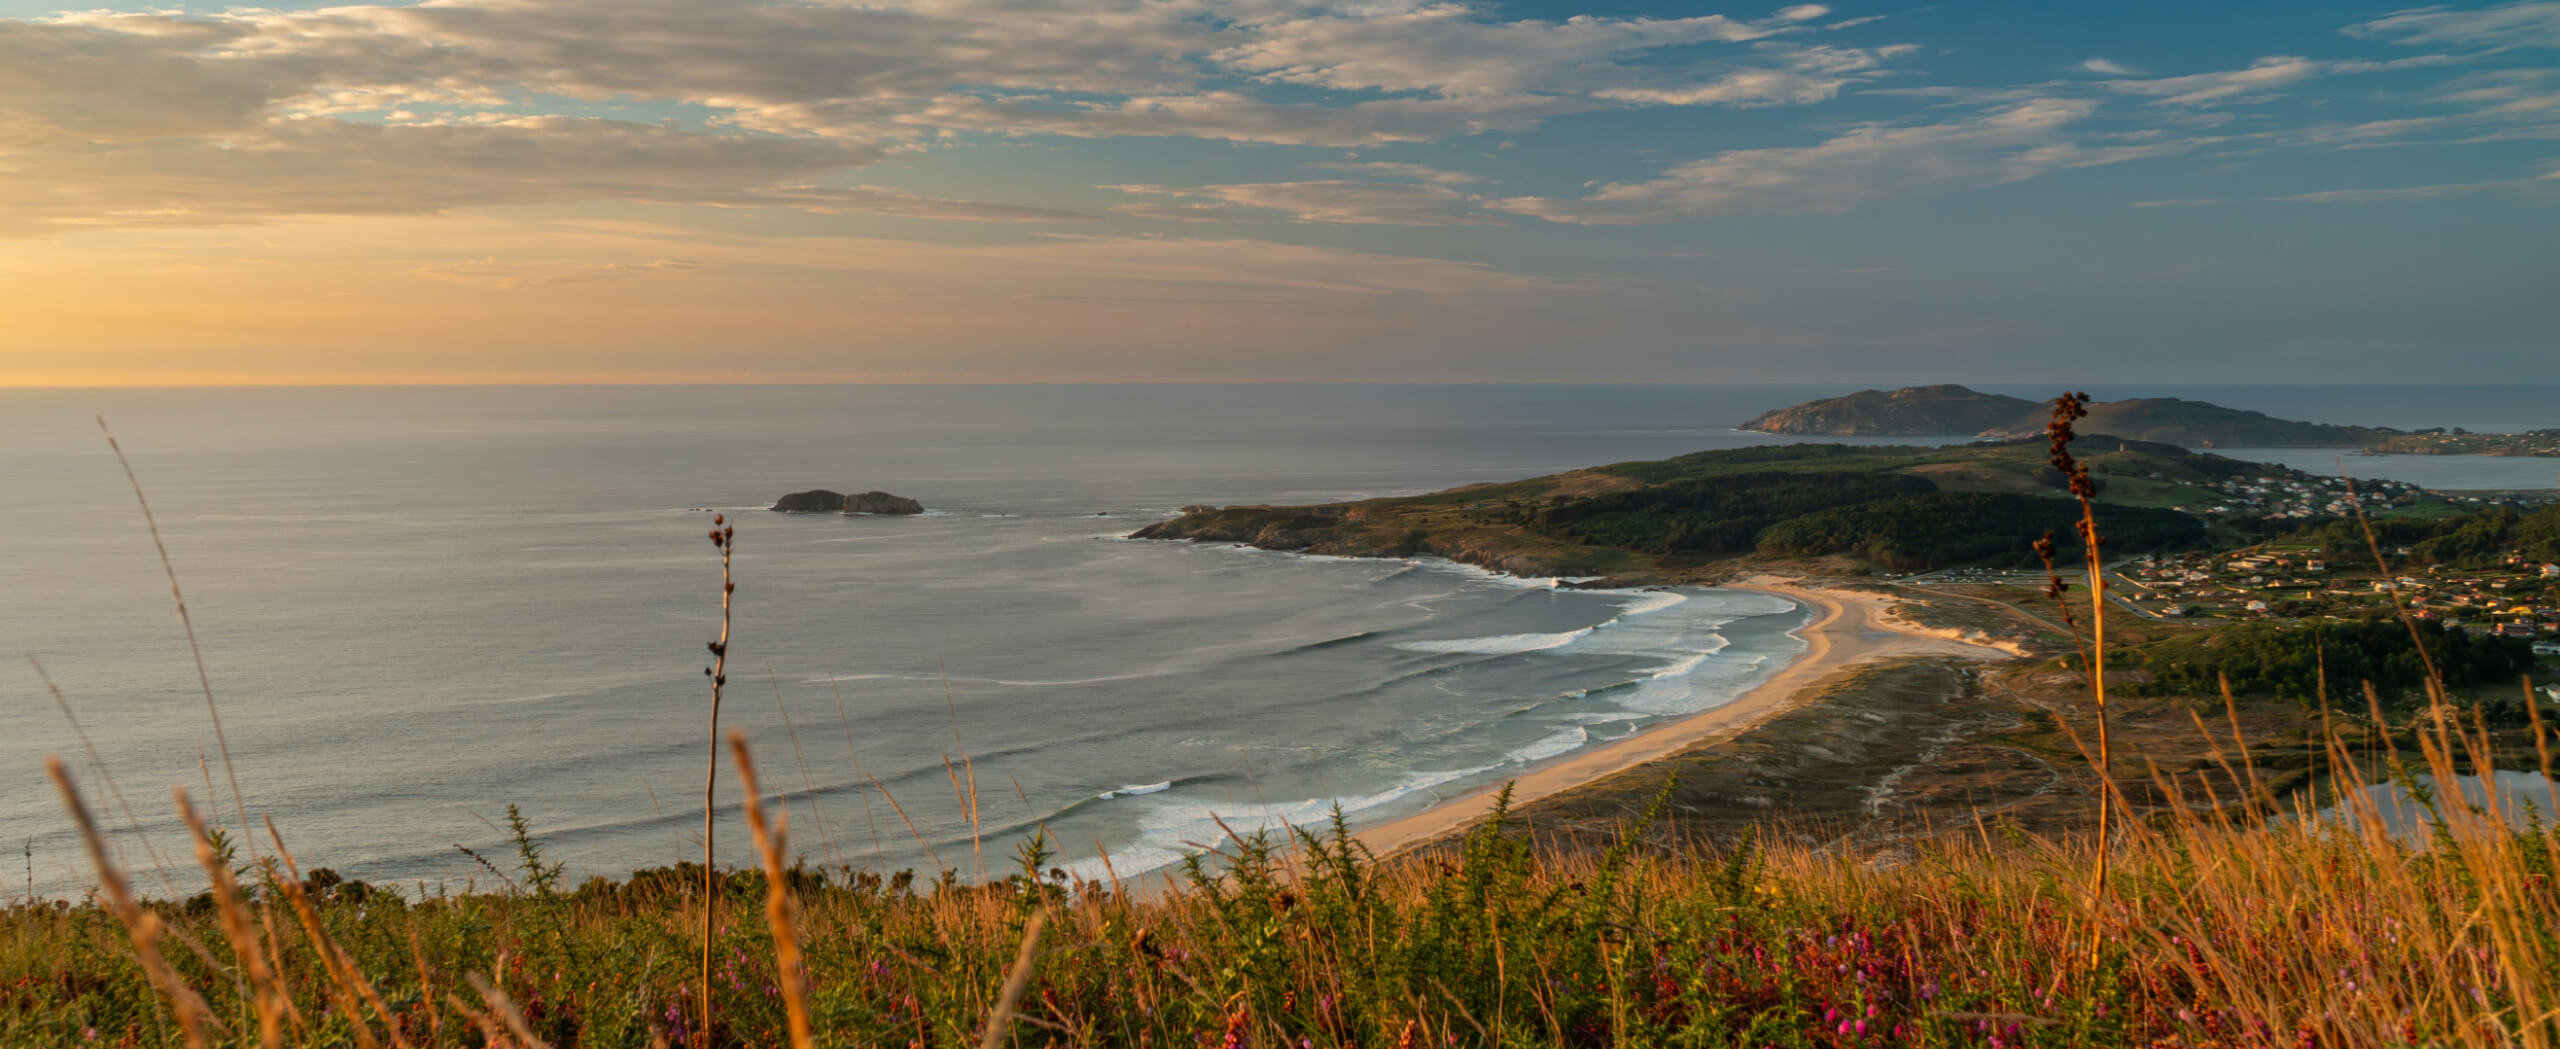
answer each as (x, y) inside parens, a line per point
(1951, 409)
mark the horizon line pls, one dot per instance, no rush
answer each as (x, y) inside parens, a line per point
(448, 382)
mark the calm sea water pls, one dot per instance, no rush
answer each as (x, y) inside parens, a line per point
(420, 605)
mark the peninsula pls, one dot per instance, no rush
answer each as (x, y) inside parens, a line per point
(1823, 509)
(1949, 409)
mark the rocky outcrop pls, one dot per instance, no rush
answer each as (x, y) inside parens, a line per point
(822, 501)
(876, 502)
(1908, 412)
(813, 501)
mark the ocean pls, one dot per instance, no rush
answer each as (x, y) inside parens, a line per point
(418, 606)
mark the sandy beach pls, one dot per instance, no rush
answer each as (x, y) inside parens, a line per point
(1849, 628)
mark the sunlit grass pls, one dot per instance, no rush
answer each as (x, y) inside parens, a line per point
(2215, 930)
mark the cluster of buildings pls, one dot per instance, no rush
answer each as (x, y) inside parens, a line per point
(2302, 496)
(2518, 599)
(2463, 442)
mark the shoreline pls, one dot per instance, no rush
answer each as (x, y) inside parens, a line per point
(1849, 629)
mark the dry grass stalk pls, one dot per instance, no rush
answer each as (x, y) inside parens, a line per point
(349, 991)
(159, 867)
(426, 987)
(725, 536)
(781, 910)
(1015, 982)
(846, 720)
(505, 1011)
(272, 998)
(808, 783)
(204, 680)
(140, 924)
(493, 1035)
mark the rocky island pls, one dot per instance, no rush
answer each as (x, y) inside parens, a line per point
(1948, 409)
(822, 501)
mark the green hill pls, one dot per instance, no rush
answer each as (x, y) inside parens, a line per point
(1895, 507)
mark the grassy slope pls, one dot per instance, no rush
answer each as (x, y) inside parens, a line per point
(2209, 936)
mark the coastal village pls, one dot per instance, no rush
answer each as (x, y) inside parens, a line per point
(2302, 497)
(2458, 441)
(2519, 599)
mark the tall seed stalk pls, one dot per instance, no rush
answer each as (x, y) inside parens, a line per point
(2068, 409)
(177, 597)
(723, 535)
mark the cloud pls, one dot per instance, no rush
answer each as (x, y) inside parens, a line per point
(1238, 117)
(1344, 201)
(1392, 169)
(2109, 68)
(876, 200)
(513, 274)
(1446, 49)
(2221, 87)
(2490, 106)
(1167, 211)
(2260, 81)
(2540, 188)
(1867, 163)
(1801, 76)
(169, 117)
(2510, 25)
(317, 166)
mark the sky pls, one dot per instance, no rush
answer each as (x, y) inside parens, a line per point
(1232, 190)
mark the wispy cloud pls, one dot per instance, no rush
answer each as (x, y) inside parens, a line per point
(511, 274)
(1399, 170)
(1872, 162)
(2533, 24)
(1345, 201)
(168, 117)
(2260, 81)
(2542, 187)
